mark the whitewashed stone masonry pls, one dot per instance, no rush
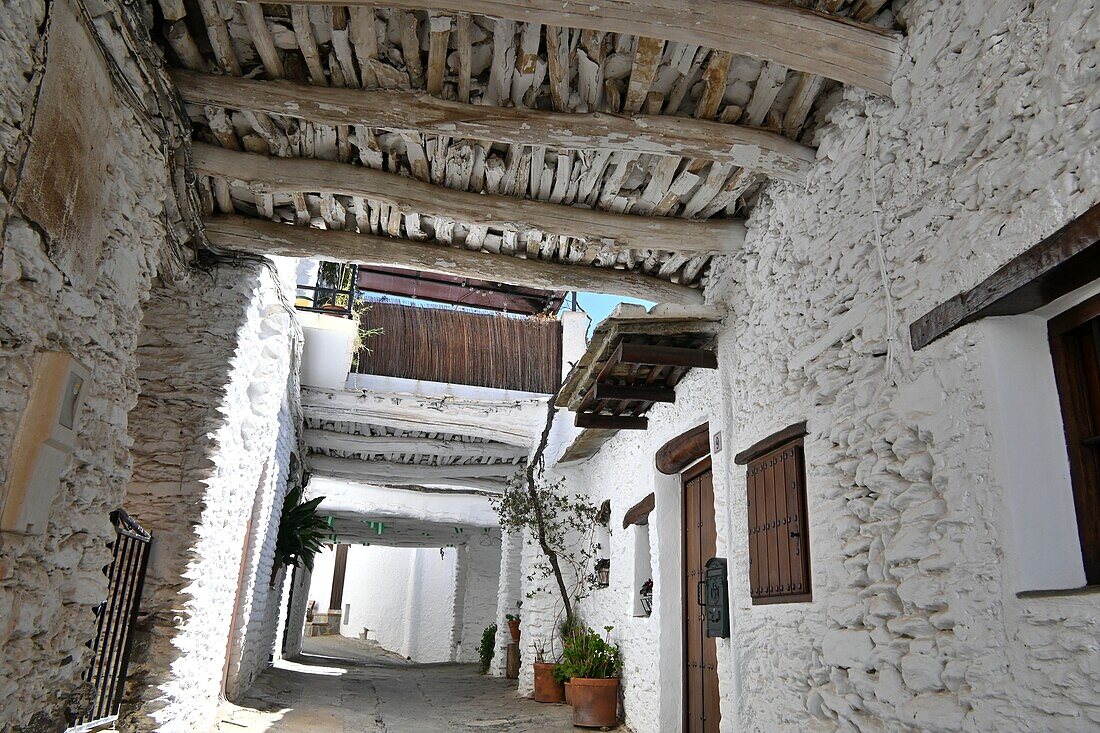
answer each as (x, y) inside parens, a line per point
(989, 146)
(50, 584)
(210, 451)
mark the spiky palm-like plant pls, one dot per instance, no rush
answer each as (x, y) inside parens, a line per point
(302, 532)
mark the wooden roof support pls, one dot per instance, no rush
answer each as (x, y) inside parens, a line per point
(763, 151)
(301, 175)
(269, 238)
(1061, 263)
(514, 423)
(799, 39)
(385, 473)
(610, 422)
(632, 393)
(376, 444)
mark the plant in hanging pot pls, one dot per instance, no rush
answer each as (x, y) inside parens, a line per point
(594, 664)
(547, 686)
(646, 595)
(513, 625)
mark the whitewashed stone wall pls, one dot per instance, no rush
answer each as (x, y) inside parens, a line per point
(509, 593)
(50, 584)
(989, 146)
(477, 571)
(404, 597)
(210, 447)
(259, 609)
(624, 472)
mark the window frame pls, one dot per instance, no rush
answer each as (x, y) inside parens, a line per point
(1074, 391)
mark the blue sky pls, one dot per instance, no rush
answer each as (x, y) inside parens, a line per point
(600, 305)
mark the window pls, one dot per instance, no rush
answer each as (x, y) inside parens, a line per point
(1075, 349)
(779, 547)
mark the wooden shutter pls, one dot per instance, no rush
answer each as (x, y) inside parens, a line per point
(779, 548)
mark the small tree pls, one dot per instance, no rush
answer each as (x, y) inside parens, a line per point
(560, 524)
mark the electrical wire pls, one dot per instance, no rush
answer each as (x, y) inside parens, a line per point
(876, 216)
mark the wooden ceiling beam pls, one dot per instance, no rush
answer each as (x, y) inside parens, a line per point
(385, 473)
(763, 151)
(800, 39)
(610, 422)
(410, 196)
(375, 444)
(633, 393)
(512, 422)
(270, 238)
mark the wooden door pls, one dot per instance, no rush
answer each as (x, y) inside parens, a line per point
(701, 711)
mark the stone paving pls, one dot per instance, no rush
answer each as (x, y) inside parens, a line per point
(342, 684)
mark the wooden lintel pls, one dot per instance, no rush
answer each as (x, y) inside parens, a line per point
(657, 355)
(829, 46)
(1061, 263)
(770, 443)
(610, 422)
(683, 450)
(633, 393)
(384, 473)
(639, 513)
(763, 151)
(264, 174)
(246, 234)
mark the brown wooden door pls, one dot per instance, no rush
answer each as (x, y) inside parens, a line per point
(701, 711)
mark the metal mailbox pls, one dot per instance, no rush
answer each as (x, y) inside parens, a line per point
(716, 598)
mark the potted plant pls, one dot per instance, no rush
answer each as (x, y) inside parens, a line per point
(548, 688)
(513, 625)
(594, 664)
(646, 594)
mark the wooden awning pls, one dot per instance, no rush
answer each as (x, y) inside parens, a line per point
(634, 361)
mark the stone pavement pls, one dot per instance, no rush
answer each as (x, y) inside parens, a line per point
(342, 684)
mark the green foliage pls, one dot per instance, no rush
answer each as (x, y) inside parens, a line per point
(511, 617)
(301, 531)
(488, 648)
(568, 523)
(587, 655)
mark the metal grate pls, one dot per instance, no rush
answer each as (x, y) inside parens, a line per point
(116, 616)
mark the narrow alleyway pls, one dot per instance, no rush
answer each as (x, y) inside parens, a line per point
(342, 684)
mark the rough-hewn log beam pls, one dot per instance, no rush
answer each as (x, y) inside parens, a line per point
(799, 39)
(763, 151)
(269, 238)
(610, 422)
(301, 175)
(1061, 263)
(683, 450)
(385, 473)
(374, 444)
(513, 422)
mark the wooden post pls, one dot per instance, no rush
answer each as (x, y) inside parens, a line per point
(512, 668)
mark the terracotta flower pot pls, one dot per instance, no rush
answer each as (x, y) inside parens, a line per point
(513, 626)
(595, 702)
(547, 689)
(568, 693)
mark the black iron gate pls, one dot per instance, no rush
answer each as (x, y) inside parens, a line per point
(116, 616)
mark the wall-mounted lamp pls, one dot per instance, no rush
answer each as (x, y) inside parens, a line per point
(603, 572)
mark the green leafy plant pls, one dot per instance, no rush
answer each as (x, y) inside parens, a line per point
(588, 655)
(487, 649)
(562, 527)
(302, 532)
(511, 617)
